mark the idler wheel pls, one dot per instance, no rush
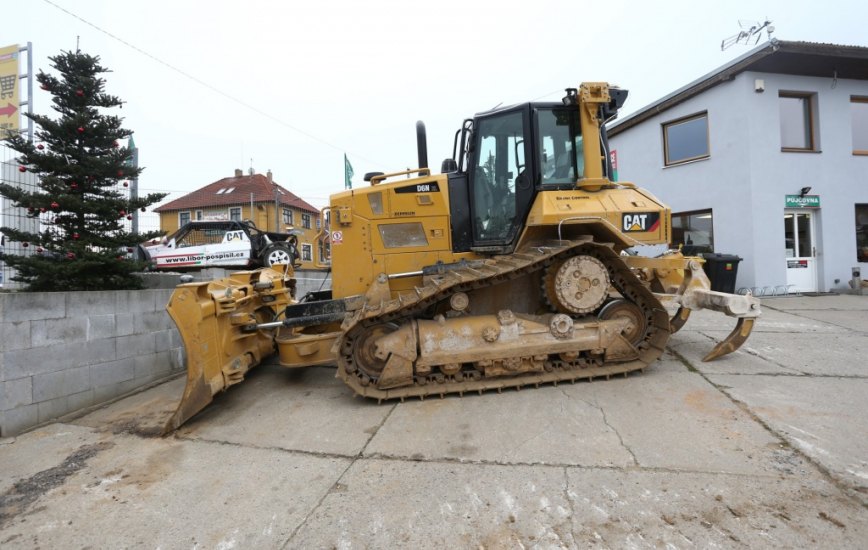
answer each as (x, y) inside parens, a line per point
(623, 309)
(365, 346)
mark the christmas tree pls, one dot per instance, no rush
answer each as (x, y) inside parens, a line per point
(82, 205)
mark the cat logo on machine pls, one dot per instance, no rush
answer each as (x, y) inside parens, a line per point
(640, 221)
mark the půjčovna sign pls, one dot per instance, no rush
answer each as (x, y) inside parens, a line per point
(798, 201)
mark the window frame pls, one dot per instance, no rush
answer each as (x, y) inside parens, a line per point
(863, 228)
(810, 102)
(181, 217)
(305, 221)
(864, 101)
(666, 126)
(287, 215)
(240, 213)
(306, 252)
(689, 214)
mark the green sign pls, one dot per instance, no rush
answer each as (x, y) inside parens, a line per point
(798, 201)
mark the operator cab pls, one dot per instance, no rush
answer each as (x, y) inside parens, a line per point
(508, 156)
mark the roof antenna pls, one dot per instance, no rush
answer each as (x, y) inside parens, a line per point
(250, 170)
(749, 30)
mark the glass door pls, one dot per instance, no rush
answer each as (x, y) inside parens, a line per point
(800, 250)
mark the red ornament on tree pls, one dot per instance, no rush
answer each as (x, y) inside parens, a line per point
(116, 145)
(75, 236)
(25, 244)
(120, 173)
(144, 209)
(55, 206)
(40, 147)
(73, 185)
(42, 210)
(126, 184)
(123, 213)
(79, 93)
(129, 217)
(81, 129)
(22, 169)
(70, 255)
(40, 250)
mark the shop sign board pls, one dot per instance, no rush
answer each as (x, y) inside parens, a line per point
(799, 201)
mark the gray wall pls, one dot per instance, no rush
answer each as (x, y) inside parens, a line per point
(747, 176)
(63, 351)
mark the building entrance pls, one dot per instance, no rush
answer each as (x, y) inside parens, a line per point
(800, 250)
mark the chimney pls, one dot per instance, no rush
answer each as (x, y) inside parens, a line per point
(250, 171)
(238, 172)
(269, 176)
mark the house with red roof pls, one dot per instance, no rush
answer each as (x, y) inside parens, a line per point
(254, 197)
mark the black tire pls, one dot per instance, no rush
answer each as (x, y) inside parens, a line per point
(277, 254)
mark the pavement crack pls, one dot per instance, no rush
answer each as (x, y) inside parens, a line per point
(337, 485)
(617, 433)
(377, 430)
(841, 485)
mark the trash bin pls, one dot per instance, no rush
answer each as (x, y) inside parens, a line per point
(721, 270)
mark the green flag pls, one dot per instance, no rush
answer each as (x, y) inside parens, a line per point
(348, 173)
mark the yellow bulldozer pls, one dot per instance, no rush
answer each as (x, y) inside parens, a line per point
(506, 269)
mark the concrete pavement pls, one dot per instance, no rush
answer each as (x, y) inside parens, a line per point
(764, 448)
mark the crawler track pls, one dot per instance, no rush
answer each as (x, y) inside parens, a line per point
(469, 279)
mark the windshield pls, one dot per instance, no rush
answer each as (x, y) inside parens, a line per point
(560, 146)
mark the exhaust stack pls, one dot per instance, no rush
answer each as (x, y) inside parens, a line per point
(422, 144)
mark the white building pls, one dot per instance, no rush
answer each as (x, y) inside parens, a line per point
(767, 158)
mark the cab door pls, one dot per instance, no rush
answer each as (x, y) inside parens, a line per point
(800, 250)
(501, 181)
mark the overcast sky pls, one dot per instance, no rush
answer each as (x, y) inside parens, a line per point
(332, 77)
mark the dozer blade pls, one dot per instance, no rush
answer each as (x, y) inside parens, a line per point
(734, 341)
(214, 320)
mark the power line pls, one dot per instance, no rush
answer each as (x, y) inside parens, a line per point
(208, 86)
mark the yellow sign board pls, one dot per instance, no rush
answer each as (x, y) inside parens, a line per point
(9, 117)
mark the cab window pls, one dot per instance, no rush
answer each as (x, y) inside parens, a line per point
(560, 152)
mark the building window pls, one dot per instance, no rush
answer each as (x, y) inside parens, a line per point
(797, 122)
(305, 221)
(324, 251)
(199, 215)
(862, 232)
(859, 120)
(685, 139)
(318, 224)
(183, 218)
(693, 232)
(235, 213)
(287, 216)
(306, 252)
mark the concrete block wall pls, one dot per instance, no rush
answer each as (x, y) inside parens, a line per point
(63, 351)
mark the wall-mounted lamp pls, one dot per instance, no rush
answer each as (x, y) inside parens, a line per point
(804, 191)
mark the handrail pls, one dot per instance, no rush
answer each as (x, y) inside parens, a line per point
(323, 231)
(421, 171)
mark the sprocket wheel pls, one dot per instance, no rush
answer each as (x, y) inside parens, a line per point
(577, 285)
